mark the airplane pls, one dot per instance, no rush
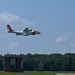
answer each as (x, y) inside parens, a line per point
(25, 32)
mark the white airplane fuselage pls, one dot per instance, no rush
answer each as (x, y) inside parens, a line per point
(21, 33)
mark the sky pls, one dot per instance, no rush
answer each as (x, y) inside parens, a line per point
(55, 19)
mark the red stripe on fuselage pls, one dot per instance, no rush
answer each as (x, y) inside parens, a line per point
(33, 33)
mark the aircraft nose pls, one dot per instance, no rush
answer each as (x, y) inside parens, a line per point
(39, 33)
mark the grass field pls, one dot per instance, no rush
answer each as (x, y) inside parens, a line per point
(35, 73)
(27, 73)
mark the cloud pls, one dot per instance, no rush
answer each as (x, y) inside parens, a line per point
(60, 39)
(13, 19)
(64, 43)
(72, 44)
(65, 38)
(14, 45)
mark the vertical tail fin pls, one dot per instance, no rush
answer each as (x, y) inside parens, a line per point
(9, 29)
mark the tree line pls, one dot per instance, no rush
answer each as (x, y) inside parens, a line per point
(46, 62)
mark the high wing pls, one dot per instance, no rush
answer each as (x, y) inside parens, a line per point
(26, 30)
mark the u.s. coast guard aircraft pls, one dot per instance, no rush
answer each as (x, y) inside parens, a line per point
(25, 32)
